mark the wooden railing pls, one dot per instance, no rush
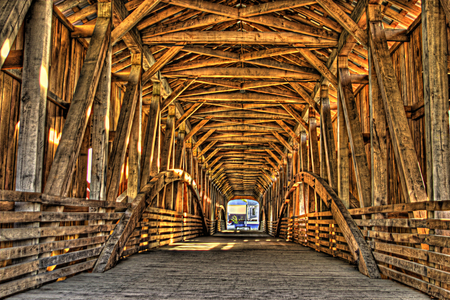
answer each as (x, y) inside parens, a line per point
(330, 202)
(160, 227)
(412, 251)
(27, 260)
(212, 226)
(116, 244)
(318, 231)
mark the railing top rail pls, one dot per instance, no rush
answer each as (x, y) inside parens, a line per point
(14, 196)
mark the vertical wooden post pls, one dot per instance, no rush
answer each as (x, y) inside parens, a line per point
(100, 133)
(179, 155)
(353, 123)
(313, 145)
(30, 152)
(100, 141)
(134, 149)
(323, 163)
(67, 152)
(33, 106)
(405, 155)
(436, 95)
(123, 131)
(166, 152)
(166, 155)
(150, 151)
(342, 162)
(328, 137)
(303, 152)
(378, 148)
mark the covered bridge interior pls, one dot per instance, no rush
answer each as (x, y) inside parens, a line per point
(126, 126)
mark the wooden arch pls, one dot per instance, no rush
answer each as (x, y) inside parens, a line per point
(360, 250)
(118, 239)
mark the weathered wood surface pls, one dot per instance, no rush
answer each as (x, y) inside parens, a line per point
(405, 155)
(120, 143)
(355, 136)
(11, 18)
(100, 132)
(328, 138)
(435, 79)
(79, 112)
(183, 269)
(33, 108)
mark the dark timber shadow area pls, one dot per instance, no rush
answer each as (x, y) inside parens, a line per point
(228, 265)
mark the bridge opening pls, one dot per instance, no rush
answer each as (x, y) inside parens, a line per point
(243, 214)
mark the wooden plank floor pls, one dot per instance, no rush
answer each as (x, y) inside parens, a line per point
(227, 266)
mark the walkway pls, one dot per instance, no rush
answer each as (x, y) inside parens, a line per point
(227, 266)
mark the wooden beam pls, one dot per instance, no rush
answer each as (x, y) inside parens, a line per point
(176, 93)
(344, 20)
(405, 155)
(274, 157)
(436, 94)
(131, 20)
(288, 130)
(220, 61)
(275, 147)
(271, 7)
(378, 137)
(158, 17)
(446, 7)
(356, 15)
(83, 13)
(295, 115)
(196, 128)
(189, 113)
(303, 152)
(254, 73)
(211, 155)
(160, 63)
(100, 132)
(243, 97)
(205, 6)
(305, 95)
(286, 25)
(167, 146)
(328, 138)
(353, 123)
(134, 151)
(134, 43)
(179, 159)
(202, 139)
(206, 148)
(343, 155)
(185, 25)
(123, 131)
(316, 63)
(80, 109)
(239, 37)
(12, 16)
(313, 145)
(150, 151)
(33, 109)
